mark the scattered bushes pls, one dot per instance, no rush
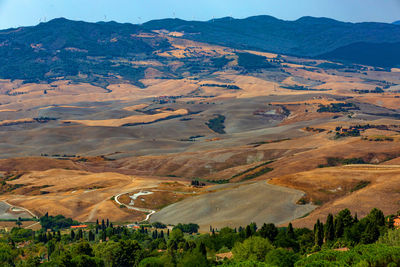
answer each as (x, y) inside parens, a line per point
(253, 62)
(56, 223)
(217, 124)
(337, 107)
(332, 162)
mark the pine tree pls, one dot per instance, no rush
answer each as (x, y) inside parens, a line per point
(108, 223)
(268, 231)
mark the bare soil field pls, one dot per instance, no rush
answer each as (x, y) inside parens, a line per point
(359, 188)
(235, 206)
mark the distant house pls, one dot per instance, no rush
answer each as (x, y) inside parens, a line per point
(222, 256)
(396, 222)
(133, 226)
(79, 226)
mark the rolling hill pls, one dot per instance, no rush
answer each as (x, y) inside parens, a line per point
(95, 112)
(305, 37)
(101, 51)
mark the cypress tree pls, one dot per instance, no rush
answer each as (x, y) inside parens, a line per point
(202, 249)
(318, 233)
(186, 246)
(321, 233)
(371, 233)
(290, 231)
(355, 218)
(103, 235)
(377, 217)
(80, 234)
(248, 231)
(339, 228)
(329, 228)
(50, 249)
(91, 236)
(72, 234)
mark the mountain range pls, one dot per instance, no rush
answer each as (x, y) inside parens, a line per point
(63, 47)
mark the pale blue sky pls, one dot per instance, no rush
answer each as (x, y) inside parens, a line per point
(14, 13)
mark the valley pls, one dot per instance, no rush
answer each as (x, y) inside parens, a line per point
(283, 138)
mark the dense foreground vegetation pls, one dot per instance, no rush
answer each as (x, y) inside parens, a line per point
(342, 241)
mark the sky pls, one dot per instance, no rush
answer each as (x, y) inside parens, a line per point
(15, 13)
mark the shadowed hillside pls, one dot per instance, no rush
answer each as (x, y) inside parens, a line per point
(101, 52)
(306, 36)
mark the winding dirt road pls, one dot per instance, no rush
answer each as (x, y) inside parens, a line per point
(148, 211)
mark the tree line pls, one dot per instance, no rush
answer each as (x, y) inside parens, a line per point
(339, 240)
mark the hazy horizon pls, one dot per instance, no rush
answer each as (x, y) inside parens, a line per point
(32, 12)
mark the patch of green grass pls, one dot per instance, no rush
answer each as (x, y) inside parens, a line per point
(256, 174)
(318, 202)
(332, 162)
(305, 215)
(360, 185)
(225, 181)
(252, 169)
(253, 62)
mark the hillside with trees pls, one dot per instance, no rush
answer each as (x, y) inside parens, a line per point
(341, 240)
